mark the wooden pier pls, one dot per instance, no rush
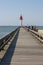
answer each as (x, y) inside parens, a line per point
(25, 49)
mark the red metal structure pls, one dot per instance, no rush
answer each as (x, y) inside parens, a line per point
(21, 18)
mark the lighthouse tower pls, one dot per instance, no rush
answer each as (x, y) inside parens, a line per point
(21, 19)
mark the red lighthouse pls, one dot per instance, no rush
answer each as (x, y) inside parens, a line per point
(21, 18)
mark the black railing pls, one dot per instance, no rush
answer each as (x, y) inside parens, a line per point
(6, 39)
(36, 33)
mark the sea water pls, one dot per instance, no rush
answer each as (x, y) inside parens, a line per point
(4, 30)
(40, 27)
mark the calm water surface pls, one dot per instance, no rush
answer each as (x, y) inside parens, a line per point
(4, 30)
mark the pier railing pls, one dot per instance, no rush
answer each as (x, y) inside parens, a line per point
(39, 37)
(35, 33)
(6, 39)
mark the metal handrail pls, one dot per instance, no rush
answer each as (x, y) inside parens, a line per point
(5, 39)
(36, 34)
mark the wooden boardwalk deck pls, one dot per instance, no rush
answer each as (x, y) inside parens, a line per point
(27, 51)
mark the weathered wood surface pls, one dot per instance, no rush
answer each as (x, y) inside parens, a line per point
(27, 51)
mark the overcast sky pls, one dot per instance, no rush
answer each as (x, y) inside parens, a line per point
(31, 10)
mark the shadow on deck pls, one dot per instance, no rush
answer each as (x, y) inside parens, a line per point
(8, 56)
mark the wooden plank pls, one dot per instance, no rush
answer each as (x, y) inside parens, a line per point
(27, 51)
